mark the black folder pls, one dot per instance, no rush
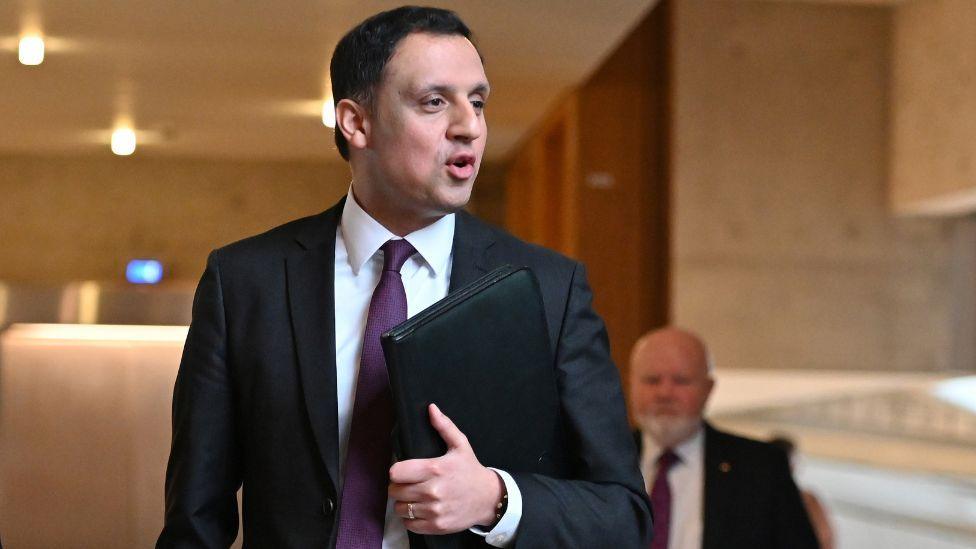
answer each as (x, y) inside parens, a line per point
(483, 356)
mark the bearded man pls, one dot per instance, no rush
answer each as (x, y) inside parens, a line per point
(709, 489)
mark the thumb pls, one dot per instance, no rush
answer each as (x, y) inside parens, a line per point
(453, 436)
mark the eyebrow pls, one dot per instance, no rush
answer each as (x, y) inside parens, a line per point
(481, 88)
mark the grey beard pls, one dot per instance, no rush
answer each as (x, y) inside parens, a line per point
(669, 431)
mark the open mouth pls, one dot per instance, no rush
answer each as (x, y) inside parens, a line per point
(461, 160)
(461, 166)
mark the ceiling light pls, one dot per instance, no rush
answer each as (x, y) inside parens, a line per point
(328, 113)
(31, 50)
(123, 141)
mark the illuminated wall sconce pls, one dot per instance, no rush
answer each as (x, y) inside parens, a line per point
(31, 50)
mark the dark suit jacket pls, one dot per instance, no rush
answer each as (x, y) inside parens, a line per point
(255, 400)
(751, 501)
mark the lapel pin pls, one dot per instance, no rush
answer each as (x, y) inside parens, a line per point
(725, 467)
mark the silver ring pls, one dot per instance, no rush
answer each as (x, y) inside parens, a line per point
(410, 514)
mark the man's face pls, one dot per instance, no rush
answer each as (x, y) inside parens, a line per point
(427, 128)
(669, 387)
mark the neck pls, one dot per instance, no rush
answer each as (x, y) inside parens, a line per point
(385, 213)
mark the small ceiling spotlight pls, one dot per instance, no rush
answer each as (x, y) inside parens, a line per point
(123, 141)
(31, 51)
(328, 113)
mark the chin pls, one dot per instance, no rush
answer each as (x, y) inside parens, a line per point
(454, 199)
(669, 431)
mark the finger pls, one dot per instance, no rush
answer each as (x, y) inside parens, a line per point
(425, 521)
(418, 492)
(420, 526)
(446, 428)
(412, 471)
(429, 526)
(403, 508)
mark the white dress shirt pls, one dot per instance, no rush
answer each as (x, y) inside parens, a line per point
(687, 480)
(426, 279)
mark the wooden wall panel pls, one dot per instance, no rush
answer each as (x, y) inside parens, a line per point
(592, 181)
(541, 201)
(624, 152)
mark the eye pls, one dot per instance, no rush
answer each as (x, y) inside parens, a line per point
(434, 102)
(478, 104)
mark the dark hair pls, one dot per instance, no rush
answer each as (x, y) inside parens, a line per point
(359, 58)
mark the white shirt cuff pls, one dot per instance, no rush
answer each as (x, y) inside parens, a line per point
(503, 534)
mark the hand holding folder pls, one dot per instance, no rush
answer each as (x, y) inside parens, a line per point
(483, 356)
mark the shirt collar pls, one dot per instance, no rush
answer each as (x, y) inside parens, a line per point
(690, 451)
(363, 236)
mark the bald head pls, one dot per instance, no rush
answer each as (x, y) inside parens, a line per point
(670, 380)
(672, 345)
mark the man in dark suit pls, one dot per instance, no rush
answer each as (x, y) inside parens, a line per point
(709, 489)
(282, 389)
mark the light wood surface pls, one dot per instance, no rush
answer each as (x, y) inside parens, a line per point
(85, 433)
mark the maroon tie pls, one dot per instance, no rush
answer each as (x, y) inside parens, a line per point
(661, 499)
(362, 508)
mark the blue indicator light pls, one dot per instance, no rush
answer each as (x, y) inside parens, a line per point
(144, 271)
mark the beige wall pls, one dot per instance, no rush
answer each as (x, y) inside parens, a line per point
(784, 253)
(65, 219)
(933, 164)
(83, 218)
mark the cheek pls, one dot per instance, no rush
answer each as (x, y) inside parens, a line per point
(410, 144)
(647, 396)
(689, 400)
(700, 401)
(641, 396)
(422, 154)
(480, 143)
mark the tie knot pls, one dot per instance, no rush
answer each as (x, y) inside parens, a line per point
(395, 254)
(667, 459)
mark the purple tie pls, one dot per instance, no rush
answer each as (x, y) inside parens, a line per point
(362, 509)
(661, 500)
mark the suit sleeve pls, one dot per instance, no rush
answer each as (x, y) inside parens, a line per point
(605, 504)
(792, 526)
(203, 474)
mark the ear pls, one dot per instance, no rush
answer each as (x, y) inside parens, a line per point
(353, 122)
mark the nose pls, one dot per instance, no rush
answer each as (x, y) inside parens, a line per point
(466, 123)
(664, 391)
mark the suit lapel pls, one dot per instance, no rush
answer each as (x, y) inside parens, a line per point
(311, 299)
(717, 491)
(471, 243)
